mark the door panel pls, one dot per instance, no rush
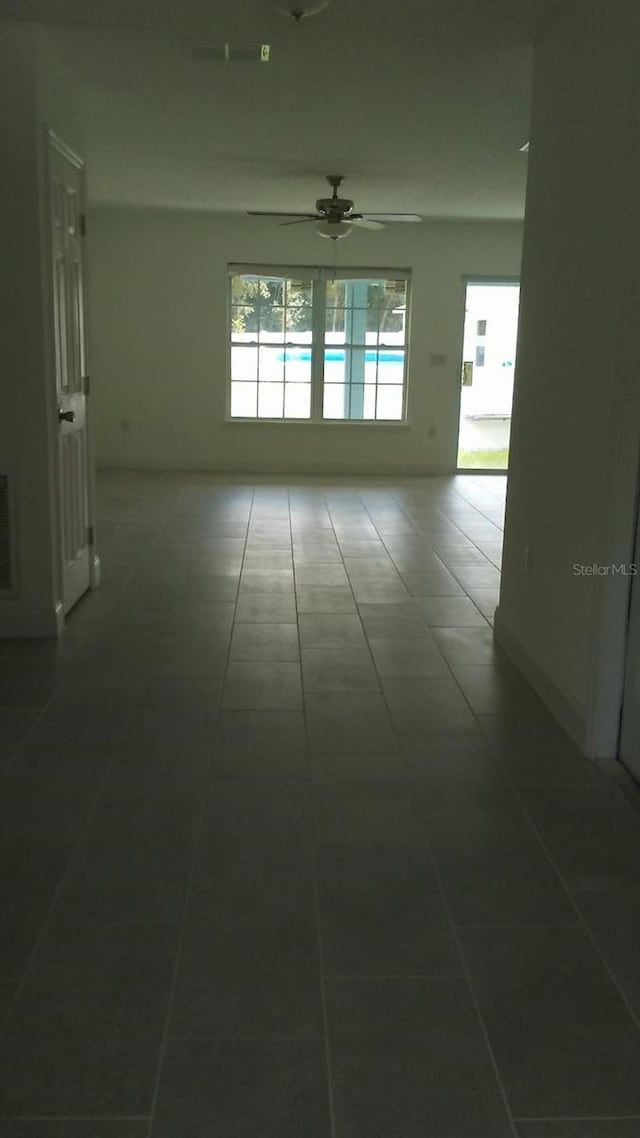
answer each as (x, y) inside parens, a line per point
(66, 190)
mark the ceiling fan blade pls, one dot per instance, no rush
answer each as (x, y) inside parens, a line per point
(392, 216)
(302, 220)
(365, 222)
(282, 213)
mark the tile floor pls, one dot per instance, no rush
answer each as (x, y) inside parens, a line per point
(290, 851)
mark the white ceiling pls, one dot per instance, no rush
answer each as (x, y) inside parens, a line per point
(421, 104)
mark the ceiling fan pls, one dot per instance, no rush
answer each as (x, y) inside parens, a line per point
(335, 216)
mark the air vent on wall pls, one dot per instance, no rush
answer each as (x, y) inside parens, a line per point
(6, 536)
(232, 52)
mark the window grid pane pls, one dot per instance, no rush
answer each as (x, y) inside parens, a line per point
(267, 314)
(273, 347)
(370, 350)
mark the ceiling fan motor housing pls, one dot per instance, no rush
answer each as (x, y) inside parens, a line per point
(336, 206)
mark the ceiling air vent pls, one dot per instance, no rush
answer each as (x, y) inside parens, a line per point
(232, 52)
(6, 536)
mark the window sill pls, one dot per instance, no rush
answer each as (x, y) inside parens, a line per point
(360, 424)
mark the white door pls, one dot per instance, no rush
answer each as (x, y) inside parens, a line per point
(630, 720)
(66, 184)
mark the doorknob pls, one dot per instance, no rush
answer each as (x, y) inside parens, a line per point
(66, 416)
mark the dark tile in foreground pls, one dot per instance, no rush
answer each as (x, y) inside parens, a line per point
(613, 918)
(450, 612)
(382, 913)
(47, 793)
(251, 968)
(393, 621)
(134, 882)
(84, 1037)
(238, 1089)
(427, 704)
(132, 863)
(264, 642)
(359, 764)
(265, 608)
(254, 743)
(494, 871)
(453, 773)
(585, 1128)
(563, 1039)
(365, 810)
(230, 862)
(409, 1059)
(30, 873)
(338, 670)
(331, 631)
(256, 810)
(349, 721)
(262, 686)
(16, 724)
(8, 990)
(536, 752)
(591, 832)
(73, 1128)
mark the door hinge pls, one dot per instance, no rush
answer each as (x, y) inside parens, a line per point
(91, 535)
(86, 385)
(83, 224)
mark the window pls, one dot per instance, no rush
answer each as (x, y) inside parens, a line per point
(480, 355)
(317, 344)
(482, 327)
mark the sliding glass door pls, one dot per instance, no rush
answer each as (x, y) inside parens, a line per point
(488, 367)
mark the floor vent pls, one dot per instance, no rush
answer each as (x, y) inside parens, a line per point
(6, 535)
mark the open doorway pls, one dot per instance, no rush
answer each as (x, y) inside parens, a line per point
(488, 365)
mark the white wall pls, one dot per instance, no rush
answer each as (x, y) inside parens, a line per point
(574, 440)
(159, 340)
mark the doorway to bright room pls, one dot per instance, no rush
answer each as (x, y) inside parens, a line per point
(488, 366)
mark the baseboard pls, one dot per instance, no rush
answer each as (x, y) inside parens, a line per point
(569, 714)
(279, 470)
(20, 620)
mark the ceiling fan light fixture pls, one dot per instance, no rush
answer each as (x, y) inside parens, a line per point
(299, 9)
(333, 230)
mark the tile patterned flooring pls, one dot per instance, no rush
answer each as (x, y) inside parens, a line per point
(288, 848)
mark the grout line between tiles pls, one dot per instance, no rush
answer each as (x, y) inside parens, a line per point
(466, 974)
(20, 984)
(563, 884)
(314, 863)
(583, 1118)
(472, 992)
(180, 1038)
(78, 1118)
(166, 1036)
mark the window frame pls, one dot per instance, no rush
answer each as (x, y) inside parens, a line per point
(318, 275)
